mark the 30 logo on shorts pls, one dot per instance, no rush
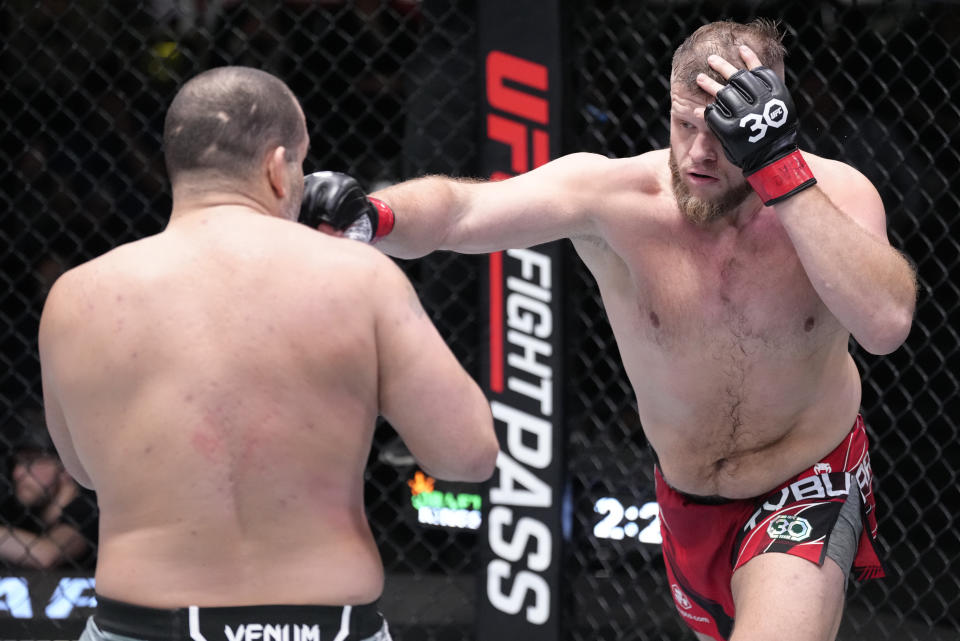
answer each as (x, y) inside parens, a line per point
(789, 527)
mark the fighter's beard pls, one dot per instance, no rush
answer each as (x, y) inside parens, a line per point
(699, 211)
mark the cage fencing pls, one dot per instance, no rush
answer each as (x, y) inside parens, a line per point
(391, 90)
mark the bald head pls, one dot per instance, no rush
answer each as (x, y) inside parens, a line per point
(724, 38)
(223, 122)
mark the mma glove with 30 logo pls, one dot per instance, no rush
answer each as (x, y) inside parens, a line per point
(336, 199)
(756, 122)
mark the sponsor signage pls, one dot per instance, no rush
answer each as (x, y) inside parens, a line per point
(520, 536)
(440, 504)
(46, 596)
(45, 605)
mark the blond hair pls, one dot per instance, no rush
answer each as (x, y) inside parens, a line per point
(724, 38)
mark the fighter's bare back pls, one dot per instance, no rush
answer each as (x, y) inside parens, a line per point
(223, 412)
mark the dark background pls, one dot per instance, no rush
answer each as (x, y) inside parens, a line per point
(391, 90)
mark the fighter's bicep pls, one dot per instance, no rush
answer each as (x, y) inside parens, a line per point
(414, 362)
(50, 355)
(59, 432)
(57, 426)
(556, 200)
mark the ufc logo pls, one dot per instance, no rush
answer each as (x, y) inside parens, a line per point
(774, 115)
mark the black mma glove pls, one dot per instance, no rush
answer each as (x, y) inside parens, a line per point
(756, 122)
(336, 199)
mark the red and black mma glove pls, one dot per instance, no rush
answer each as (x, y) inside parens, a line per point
(336, 199)
(756, 122)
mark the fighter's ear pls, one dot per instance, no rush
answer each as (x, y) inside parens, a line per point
(277, 170)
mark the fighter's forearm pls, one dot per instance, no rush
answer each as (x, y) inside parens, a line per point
(867, 284)
(426, 211)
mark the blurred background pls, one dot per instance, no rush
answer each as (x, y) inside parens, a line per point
(393, 89)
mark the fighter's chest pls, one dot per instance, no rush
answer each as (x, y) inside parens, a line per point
(741, 288)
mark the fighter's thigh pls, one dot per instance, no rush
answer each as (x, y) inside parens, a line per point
(783, 597)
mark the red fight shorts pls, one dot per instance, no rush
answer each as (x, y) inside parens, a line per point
(705, 542)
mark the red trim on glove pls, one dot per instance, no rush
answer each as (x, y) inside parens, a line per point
(782, 178)
(385, 217)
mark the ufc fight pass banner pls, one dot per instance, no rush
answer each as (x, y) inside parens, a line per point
(521, 533)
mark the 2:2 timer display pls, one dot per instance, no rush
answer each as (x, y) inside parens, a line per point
(620, 523)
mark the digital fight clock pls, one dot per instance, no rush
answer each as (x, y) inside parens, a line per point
(631, 522)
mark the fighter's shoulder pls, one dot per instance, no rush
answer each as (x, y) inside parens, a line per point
(626, 198)
(64, 297)
(366, 270)
(634, 172)
(340, 251)
(81, 286)
(351, 264)
(74, 280)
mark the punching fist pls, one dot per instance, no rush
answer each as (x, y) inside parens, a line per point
(336, 199)
(755, 120)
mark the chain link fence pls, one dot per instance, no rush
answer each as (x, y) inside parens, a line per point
(874, 82)
(390, 89)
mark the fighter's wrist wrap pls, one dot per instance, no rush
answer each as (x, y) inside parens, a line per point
(385, 218)
(782, 178)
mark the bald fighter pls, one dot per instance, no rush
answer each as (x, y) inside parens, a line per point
(733, 268)
(218, 384)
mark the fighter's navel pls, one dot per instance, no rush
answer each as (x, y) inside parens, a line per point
(809, 323)
(654, 320)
